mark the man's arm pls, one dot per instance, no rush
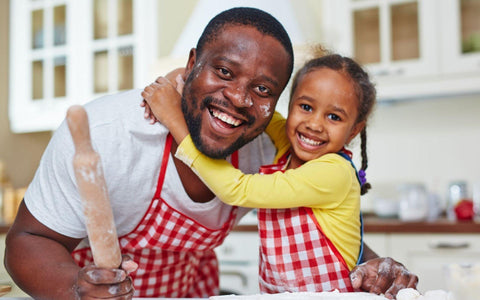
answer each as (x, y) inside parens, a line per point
(39, 261)
(381, 275)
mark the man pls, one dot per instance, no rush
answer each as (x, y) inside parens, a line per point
(167, 220)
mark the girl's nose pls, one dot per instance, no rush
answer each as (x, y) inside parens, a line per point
(238, 96)
(315, 123)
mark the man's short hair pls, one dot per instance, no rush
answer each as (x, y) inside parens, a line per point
(261, 20)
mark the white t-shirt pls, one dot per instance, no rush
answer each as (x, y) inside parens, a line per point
(131, 152)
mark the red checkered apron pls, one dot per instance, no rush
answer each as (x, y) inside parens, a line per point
(295, 255)
(174, 252)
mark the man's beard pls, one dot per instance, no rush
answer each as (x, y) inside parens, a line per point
(194, 124)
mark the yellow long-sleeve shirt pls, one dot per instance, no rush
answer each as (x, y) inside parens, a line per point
(327, 184)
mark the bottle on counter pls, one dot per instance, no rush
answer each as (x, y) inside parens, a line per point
(413, 204)
(476, 201)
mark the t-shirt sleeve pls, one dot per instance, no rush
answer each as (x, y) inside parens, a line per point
(318, 183)
(52, 196)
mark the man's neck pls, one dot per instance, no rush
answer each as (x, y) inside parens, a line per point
(195, 188)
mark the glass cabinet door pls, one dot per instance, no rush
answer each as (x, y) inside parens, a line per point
(40, 50)
(392, 38)
(65, 52)
(113, 46)
(461, 43)
(48, 53)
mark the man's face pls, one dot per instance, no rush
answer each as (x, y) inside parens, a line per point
(232, 89)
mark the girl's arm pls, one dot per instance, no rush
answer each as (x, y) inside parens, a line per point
(318, 183)
(165, 103)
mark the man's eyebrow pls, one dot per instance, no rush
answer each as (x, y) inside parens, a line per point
(271, 80)
(237, 63)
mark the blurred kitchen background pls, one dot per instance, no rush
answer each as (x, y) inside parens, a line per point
(423, 139)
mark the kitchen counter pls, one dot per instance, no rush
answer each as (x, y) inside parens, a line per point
(374, 224)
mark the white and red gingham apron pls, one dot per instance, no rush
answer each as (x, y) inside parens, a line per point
(174, 253)
(295, 254)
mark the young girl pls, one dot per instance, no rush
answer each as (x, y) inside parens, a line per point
(309, 213)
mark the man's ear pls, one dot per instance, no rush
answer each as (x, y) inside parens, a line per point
(356, 130)
(192, 58)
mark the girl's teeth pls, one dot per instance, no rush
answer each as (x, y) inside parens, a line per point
(309, 141)
(226, 118)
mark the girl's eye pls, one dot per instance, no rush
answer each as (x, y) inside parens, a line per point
(334, 117)
(263, 90)
(306, 107)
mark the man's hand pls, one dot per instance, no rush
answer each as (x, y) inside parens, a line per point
(96, 283)
(382, 276)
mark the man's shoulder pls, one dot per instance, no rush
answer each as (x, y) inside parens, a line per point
(112, 105)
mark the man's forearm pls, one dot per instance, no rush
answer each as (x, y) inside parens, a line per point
(43, 274)
(368, 253)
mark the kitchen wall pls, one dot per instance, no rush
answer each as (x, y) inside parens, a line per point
(433, 141)
(19, 152)
(429, 140)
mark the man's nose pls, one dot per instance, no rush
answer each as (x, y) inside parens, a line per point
(239, 96)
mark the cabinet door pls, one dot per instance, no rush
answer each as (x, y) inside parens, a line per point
(427, 255)
(391, 38)
(461, 36)
(67, 52)
(40, 55)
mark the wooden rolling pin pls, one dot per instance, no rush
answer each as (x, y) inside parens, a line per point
(93, 191)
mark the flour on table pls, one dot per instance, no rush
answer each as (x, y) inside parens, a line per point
(405, 294)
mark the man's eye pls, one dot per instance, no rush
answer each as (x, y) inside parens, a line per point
(334, 117)
(224, 72)
(263, 90)
(306, 107)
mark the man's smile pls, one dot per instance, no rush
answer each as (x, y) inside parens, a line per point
(224, 117)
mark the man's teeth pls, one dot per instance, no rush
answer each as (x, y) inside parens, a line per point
(226, 118)
(309, 141)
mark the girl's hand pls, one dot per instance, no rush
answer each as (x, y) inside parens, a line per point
(176, 78)
(164, 102)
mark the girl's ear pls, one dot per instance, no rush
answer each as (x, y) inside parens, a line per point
(356, 130)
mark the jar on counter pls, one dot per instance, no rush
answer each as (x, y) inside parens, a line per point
(413, 204)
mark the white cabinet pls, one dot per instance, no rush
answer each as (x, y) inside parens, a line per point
(392, 38)
(427, 254)
(412, 48)
(65, 52)
(460, 39)
(238, 259)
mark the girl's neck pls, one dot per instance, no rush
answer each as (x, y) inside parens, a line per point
(293, 161)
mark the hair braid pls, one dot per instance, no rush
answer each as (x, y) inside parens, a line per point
(363, 145)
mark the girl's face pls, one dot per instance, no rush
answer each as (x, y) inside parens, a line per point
(322, 116)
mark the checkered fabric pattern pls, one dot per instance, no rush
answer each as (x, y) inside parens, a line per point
(174, 253)
(295, 256)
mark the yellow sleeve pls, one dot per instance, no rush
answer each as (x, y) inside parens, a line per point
(276, 132)
(320, 183)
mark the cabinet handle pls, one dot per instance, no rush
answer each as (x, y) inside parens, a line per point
(242, 276)
(449, 245)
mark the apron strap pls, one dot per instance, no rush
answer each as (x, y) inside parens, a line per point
(234, 159)
(163, 168)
